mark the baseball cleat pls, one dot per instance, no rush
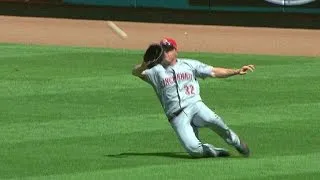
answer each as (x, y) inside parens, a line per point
(217, 152)
(243, 149)
(221, 152)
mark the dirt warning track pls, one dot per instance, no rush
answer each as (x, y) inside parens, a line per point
(203, 38)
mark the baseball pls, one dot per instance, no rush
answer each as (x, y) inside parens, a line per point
(117, 30)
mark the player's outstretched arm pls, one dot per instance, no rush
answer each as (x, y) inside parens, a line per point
(225, 72)
(139, 70)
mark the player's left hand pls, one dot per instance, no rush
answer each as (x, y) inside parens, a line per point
(245, 69)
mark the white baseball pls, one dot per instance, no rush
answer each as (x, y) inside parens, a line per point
(117, 30)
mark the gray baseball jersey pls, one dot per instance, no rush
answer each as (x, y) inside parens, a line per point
(177, 86)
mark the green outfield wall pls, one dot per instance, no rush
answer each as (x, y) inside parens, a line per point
(298, 6)
(250, 13)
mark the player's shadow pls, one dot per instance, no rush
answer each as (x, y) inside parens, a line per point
(178, 155)
(159, 154)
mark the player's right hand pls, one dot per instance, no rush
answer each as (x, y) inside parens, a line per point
(245, 69)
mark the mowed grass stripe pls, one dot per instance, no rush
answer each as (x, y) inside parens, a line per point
(145, 148)
(10, 48)
(10, 55)
(68, 128)
(24, 86)
(211, 168)
(80, 114)
(54, 128)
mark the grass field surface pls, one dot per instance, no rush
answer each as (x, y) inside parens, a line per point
(78, 113)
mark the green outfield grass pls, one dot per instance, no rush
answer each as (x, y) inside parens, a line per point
(78, 113)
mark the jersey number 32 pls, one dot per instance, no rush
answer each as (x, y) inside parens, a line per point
(189, 89)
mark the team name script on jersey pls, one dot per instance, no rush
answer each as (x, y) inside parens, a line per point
(179, 77)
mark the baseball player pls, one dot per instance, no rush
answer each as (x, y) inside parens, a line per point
(175, 81)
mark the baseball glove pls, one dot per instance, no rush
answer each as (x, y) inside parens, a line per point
(153, 55)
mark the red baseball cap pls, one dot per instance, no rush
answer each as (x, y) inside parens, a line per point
(169, 42)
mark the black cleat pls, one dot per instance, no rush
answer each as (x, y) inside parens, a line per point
(222, 152)
(216, 152)
(243, 149)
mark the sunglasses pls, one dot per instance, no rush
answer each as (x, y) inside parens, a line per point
(167, 46)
